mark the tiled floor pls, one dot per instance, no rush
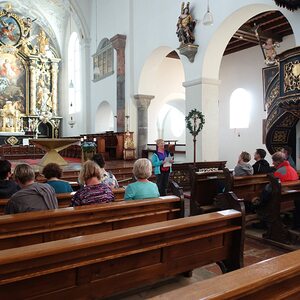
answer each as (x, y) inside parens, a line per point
(255, 251)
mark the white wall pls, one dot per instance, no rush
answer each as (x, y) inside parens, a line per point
(243, 70)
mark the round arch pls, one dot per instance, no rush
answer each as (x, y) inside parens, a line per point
(218, 42)
(104, 119)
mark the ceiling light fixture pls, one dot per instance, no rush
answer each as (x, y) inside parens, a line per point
(208, 17)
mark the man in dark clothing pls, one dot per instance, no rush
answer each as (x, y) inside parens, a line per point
(261, 166)
(33, 195)
(7, 187)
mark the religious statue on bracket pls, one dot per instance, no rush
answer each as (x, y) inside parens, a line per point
(185, 32)
(268, 48)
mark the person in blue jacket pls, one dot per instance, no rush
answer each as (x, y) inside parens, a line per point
(162, 163)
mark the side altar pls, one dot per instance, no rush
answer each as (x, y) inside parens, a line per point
(29, 66)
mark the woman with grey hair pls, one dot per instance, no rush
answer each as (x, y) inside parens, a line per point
(142, 188)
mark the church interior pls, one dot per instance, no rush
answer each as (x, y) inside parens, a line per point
(208, 88)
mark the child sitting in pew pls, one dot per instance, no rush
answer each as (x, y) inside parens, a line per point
(243, 168)
(142, 188)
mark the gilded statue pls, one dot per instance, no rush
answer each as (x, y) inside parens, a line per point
(10, 115)
(44, 97)
(43, 42)
(185, 25)
(270, 51)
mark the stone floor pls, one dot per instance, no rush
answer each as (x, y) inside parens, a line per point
(255, 251)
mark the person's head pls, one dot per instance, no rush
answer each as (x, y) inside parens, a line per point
(142, 168)
(245, 157)
(99, 160)
(287, 151)
(24, 174)
(52, 170)
(278, 158)
(160, 144)
(260, 154)
(5, 169)
(89, 170)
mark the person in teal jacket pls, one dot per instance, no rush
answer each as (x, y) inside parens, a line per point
(142, 188)
(162, 161)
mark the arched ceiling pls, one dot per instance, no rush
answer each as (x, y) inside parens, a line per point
(52, 15)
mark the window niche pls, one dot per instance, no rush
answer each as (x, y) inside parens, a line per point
(103, 60)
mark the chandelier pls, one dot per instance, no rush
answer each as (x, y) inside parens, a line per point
(288, 4)
(71, 122)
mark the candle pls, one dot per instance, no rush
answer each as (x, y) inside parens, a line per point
(84, 137)
(94, 139)
(81, 140)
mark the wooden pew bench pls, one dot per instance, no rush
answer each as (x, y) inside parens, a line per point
(282, 199)
(43, 226)
(246, 187)
(105, 264)
(64, 199)
(275, 278)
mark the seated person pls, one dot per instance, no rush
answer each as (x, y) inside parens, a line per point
(106, 177)
(261, 166)
(142, 188)
(94, 191)
(287, 151)
(243, 168)
(33, 195)
(284, 172)
(7, 187)
(53, 174)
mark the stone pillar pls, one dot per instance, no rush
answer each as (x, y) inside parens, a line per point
(142, 103)
(32, 88)
(119, 43)
(54, 72)
(208, 104)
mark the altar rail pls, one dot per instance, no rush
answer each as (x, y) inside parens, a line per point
(20, 152)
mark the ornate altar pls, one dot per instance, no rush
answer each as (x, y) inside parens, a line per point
(28, 77)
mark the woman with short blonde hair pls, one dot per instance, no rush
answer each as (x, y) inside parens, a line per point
(142, 188)
(94, 191)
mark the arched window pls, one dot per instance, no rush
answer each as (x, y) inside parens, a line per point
(240, 108)
(74, 73)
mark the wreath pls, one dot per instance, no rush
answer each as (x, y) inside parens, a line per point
(191, 121)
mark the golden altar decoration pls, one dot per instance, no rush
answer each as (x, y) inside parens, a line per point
(29, 67)
(52, 147)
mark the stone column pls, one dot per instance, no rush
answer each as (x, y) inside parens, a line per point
(119, 43)
(32, 88)
(142, 103)
(54, 72)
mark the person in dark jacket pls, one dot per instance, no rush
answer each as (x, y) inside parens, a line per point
(7, 186)
(261, 166)
(33, 196)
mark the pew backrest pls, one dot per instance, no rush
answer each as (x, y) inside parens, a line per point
(275, 278)
(105, 264)
(43, 226)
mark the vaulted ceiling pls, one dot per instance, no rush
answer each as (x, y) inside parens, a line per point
(270, 24)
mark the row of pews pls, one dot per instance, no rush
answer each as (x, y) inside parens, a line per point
(98, 251)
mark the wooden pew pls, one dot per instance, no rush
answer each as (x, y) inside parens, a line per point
(64, 199)
(43, 226)
(181, 171)
(246, 187)
(282, 199)
(205, 187)
(105, 264)
(275, 278)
